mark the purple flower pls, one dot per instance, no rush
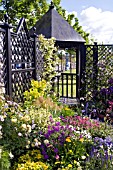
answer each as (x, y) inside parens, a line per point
(57, 123)
(56, 150)
(110, 81)
(103, 91)
(56, 128)
(46, 157)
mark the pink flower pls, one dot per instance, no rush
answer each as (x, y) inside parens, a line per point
(57, 156)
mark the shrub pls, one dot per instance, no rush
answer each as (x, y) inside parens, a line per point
(38, 88)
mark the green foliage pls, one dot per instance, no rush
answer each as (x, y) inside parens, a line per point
(66, 111)
(4, 159)
(48, 49)
(80, 30)
(31, 10)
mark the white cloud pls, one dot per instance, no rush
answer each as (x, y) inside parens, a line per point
(73, 12)
(99, 23)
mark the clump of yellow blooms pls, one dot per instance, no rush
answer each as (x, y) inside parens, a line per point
(31, 161)
(38, 88)
(32, 166)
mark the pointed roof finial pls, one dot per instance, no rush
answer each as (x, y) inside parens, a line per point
(51, 5)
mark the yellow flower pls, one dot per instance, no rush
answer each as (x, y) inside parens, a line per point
(75, 161)
(68, 139)
(62, 162)
(69, 165)
(57, 162)
(70, 151)
(66, 108)
(39, 156)
(81, 139)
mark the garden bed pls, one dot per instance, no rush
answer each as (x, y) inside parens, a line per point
(43, 133)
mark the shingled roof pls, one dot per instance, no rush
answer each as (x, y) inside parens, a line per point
(54, 25)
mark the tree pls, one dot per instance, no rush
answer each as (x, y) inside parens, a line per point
(33, 10)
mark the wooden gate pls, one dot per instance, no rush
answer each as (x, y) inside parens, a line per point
(70, 70)
(66, 85)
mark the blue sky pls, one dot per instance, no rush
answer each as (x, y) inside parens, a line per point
(78, 5)
(96, 17)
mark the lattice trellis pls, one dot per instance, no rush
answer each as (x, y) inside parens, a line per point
(20, 60)
(20, 83)
(104, 67)
(3, 74)
(89, 70)
(23, 63)
(105, 64)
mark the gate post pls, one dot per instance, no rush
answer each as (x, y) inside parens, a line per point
(35, 55)
(77, 74)
(7, 48)
(95, 69)
(82, 70)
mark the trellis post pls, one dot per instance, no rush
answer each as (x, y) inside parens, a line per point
(83, 70)
(7, 43)
(35, 55)
(95, 68)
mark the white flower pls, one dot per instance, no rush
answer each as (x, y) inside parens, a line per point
(11, 155)
(70, 126)
(78, 132)
(83, 157)
(35, 140)
(14, 120)
(0, 127)
(24, 126)
(0, 152)
(1, 133)
(28, 142)
(78, 164)
(46, 141)
(33, 126)
(36, 144)
(27, 146)
(79, 168)
(1, 118)
(19, 134)
(29, 128)
(39, 143)
(101, 146)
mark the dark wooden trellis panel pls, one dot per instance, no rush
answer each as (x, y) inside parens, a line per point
(3, 67)
(21, 60)
(99, 67)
